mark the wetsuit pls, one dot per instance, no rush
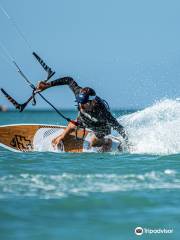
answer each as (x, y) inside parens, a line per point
(98, 118)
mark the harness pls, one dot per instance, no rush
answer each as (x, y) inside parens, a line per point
(90, 119)
(76, 133)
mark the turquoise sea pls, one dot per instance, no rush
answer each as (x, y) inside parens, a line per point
(52, 196)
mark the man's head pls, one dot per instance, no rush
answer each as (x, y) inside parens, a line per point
(86, 94)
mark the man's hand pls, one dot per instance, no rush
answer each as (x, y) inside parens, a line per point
(41, 86)
(56, 141)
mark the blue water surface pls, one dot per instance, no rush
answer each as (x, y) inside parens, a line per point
(88, 195)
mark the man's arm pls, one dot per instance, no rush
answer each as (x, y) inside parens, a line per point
(116, 126)
(60, 81)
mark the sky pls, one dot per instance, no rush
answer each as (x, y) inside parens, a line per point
(127, 50)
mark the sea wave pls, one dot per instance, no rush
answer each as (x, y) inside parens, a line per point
(66, 184)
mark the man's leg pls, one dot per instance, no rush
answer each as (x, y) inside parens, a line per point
(105, 143)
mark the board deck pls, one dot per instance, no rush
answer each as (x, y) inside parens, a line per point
(32, 137)
(38, 137)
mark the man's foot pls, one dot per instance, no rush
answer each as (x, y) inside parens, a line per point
(104, 144)
(107, 145)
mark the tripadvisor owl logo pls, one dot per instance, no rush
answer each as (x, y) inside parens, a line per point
(138, 231)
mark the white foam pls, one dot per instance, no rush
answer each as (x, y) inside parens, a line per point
(156, 129)
(66, 184)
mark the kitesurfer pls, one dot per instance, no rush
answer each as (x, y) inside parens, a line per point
(94, 114)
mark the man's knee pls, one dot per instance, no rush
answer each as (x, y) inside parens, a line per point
(96, 142)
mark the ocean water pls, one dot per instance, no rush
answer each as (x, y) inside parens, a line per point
(46, 195)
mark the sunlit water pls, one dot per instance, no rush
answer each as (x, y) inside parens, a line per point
(95, 195)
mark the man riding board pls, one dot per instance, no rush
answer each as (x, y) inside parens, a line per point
(94, 114)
